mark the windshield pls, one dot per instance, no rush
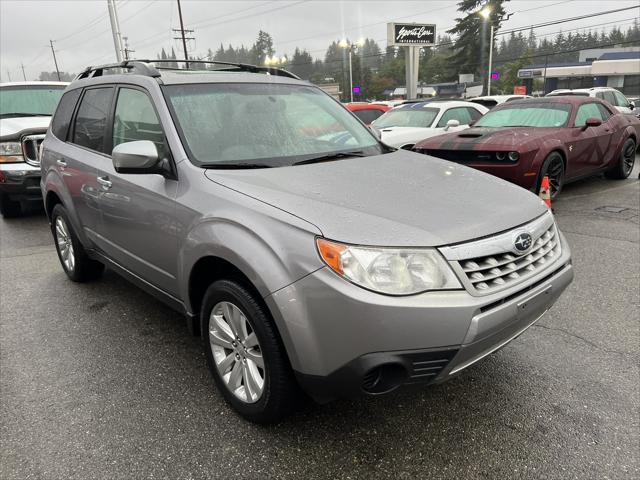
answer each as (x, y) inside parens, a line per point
(407, 117)
(529, 115)
(29, 99)
(263, 124)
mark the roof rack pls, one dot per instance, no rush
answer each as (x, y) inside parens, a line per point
(145, 67)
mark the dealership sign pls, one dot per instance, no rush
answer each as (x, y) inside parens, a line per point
(411, 34)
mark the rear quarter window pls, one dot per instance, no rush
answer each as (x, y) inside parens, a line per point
(368, 115)
(64, 112)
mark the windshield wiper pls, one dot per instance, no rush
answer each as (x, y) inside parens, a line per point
(236, 166)
(331, 156)
(20, 114)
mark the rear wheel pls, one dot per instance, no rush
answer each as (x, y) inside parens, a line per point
(245, 355)
(623, 167)
(553, 167)
(73, 258)
(9, 208)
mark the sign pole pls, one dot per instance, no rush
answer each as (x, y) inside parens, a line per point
(412, 59)
(412, 36)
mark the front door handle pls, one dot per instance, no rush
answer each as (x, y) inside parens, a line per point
(105, 182)
(61, 163)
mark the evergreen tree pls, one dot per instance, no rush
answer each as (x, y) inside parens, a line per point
(472, 30)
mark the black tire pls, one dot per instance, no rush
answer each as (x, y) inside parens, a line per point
(623, 167)
(280, 392)
(84, 268)
(552, 167)
(9, 208)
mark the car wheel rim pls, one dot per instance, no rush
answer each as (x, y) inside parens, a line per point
(629, 157)
(236, 352)
(554, 172)
(65, 245)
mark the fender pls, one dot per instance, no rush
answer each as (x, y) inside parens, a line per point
(269, 252)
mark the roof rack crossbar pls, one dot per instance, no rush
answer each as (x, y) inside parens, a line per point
(136, 66)
(145, 67)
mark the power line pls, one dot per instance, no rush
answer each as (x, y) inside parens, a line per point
(565, 20)
(218, 17)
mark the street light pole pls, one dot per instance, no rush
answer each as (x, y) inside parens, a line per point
(490, 61)
(350, 73)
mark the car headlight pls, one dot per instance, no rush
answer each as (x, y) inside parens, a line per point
(514, 156)
(393, 271)
(10, 152)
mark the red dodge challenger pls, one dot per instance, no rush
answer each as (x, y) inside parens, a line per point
(564, 138)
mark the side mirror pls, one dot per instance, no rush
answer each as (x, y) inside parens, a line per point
(592, 122)
(136, 157)
(632, 105)
(451, 124)
(472, 123)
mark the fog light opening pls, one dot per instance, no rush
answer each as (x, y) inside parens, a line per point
(384, 378)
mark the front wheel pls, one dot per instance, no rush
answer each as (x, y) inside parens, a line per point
(623, 167)
(553, 167)
(75, 262)
(245, 355)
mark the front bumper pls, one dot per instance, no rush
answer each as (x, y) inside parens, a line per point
(20, 182)
(340, 336)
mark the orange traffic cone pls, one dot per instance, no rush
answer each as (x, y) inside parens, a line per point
(544, 191)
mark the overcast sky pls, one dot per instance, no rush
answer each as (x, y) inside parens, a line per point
(82, 34)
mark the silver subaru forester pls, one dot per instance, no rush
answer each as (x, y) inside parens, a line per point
(304, 251)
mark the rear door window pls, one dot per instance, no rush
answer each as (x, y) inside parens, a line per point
(91, 119)
(64, 112)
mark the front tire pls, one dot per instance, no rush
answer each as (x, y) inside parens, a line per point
(245, 355)
(623, 167)
(9, 208)
(553, 167)
(73, 258)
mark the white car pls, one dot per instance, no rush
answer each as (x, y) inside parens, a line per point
(25, 113)
(407, 124)
(491, 101)
(608, 94)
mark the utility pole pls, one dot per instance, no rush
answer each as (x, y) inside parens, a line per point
(490, 60)
(9, 74)
(115, 29)
(55, 61)
(127, 50)
(23, 74)
(182, 35)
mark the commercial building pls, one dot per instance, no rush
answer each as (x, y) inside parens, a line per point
(606, 67)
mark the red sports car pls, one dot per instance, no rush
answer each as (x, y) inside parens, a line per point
(564, 138)
(367, 112)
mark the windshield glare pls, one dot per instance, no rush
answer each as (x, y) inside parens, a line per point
(407, 117)
(270, 124)
(30, 99)
(529, 115)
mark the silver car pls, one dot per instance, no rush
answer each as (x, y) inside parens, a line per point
(306, 253)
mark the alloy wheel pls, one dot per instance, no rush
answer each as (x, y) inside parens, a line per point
(65, 245)
(555, 172)
(236, 352)
(628, 157)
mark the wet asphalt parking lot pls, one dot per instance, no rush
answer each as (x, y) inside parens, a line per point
(102, 381)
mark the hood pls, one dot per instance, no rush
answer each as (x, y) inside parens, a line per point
(16, 125)
(477, 137)
(398, 136)
(397, 199)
